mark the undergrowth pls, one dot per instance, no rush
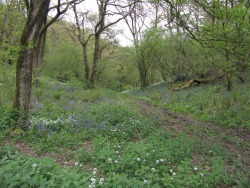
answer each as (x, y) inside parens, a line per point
(99, 141)
(210, 102)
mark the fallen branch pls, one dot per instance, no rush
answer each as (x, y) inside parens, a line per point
(196, 81)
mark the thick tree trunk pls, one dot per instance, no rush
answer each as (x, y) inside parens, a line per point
(23, 79)
(95, 60)
(37, 13)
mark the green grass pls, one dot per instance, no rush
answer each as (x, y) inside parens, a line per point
(209, 102)
(98, 138)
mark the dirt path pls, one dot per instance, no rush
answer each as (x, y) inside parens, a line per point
(61, 158)
(237, 142)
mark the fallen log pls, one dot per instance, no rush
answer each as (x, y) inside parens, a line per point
(196, 81)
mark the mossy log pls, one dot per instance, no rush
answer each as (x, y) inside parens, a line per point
(196, 81)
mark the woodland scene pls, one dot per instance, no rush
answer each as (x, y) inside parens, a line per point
(125, 93)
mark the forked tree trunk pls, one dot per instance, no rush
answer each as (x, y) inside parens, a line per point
(37, 12)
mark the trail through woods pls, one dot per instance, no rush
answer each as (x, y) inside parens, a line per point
(237, 142)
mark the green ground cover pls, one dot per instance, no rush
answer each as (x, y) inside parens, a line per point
(98, 138)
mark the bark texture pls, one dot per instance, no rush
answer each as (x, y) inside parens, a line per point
(96, 58)
(37, 13)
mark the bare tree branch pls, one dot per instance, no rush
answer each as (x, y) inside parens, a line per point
(59, 12)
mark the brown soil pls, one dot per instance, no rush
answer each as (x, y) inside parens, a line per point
(88, 145)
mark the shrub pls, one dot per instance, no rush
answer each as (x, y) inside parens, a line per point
(57, 95)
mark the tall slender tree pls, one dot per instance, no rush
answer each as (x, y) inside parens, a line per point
(83, 36)
(101, 25)
(136, 21)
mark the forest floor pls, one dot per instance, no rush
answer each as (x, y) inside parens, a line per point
(237, 142)
(144, 138)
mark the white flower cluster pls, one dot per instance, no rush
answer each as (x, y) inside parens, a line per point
(101, 181)
(77, 164)
(94, 171)
(110, 160)
(44, 121)
(173, 173)
(93, 182)
(160, 161)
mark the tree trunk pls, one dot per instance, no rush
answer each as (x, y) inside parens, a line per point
(95, 60)
(143, 75)
(39, 54)
(141, 67)
(86, 64)
(37, 12)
